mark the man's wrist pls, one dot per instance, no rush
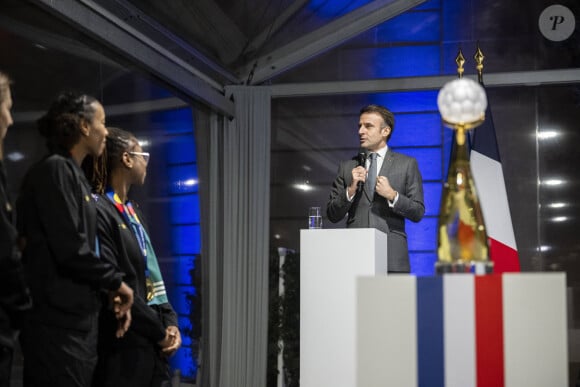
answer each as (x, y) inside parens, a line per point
(350, 196)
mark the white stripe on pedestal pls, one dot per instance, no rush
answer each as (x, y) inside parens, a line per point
(459, 330)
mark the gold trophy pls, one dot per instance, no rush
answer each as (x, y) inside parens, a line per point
(462, 244)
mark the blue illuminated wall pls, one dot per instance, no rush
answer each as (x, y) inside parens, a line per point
(333, 9)
(413, 47)
(182, 198)
(418, 133)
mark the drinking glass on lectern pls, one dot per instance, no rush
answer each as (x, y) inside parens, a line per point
(314, 218)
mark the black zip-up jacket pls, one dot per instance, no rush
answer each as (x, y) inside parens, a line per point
(14, 295)
(58, 220)
(119, 244)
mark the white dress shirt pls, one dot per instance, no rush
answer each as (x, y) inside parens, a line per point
(379, 160)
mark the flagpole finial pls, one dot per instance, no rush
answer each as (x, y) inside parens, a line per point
(460, 60)
(478, 56)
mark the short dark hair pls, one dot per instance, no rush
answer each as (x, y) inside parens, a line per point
(61, 125)
(386, 114)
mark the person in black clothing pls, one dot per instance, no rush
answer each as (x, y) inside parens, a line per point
(14, 295)
(57, 223)
(139, 358)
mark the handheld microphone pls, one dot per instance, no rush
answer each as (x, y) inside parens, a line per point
(362, 160)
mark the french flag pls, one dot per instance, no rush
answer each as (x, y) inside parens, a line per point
(462, 330)
(490, 184)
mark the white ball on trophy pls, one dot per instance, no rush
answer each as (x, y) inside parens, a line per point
(462, 101)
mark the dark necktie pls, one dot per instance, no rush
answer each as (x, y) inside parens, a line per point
(372, 175)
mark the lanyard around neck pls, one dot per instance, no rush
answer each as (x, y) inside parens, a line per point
(128, 212)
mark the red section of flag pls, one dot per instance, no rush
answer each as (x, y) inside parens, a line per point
(489, 331)
(505, 259)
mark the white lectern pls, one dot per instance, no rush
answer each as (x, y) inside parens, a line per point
(330, 262)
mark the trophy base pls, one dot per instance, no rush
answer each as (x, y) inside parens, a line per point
(475, 267)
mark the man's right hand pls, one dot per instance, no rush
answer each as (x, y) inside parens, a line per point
(359, 174)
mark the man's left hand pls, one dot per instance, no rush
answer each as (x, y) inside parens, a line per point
(384, 188)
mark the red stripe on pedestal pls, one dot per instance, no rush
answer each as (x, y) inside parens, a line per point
(505, 259)
(489, 331)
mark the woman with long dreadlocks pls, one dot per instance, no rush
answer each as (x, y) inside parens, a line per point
(57, 224)
(140, 357)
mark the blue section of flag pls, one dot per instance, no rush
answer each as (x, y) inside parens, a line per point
(484, 140)
(430, 362)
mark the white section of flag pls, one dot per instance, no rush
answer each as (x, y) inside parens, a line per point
(459, 330)
(490, 186)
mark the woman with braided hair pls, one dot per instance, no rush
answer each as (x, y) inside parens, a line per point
(57, 223)
(139, 358)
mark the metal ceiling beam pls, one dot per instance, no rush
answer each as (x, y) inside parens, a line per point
(180, 42)
(121, 109)
(106, 28)
(44, 39)
(330, 35)
(230, 40)
(280, 20)
(507, 79)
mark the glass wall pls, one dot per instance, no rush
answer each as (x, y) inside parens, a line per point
(45, 57)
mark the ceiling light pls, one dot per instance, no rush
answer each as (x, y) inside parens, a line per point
(186, 183)
(547, 134)
(303, 187)
(557, 205)
(553, 182)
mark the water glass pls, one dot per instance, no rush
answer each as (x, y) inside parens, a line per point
(314, 218)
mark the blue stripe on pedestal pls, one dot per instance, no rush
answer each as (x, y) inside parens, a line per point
(430, 332)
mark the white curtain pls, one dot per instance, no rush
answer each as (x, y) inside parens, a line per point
(235, 201)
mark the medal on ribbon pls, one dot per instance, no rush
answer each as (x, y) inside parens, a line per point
(150, 288)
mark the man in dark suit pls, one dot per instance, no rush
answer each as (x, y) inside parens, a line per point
(390, 189)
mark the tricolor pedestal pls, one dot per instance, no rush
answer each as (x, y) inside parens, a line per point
(462, 331)
(330, 262)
